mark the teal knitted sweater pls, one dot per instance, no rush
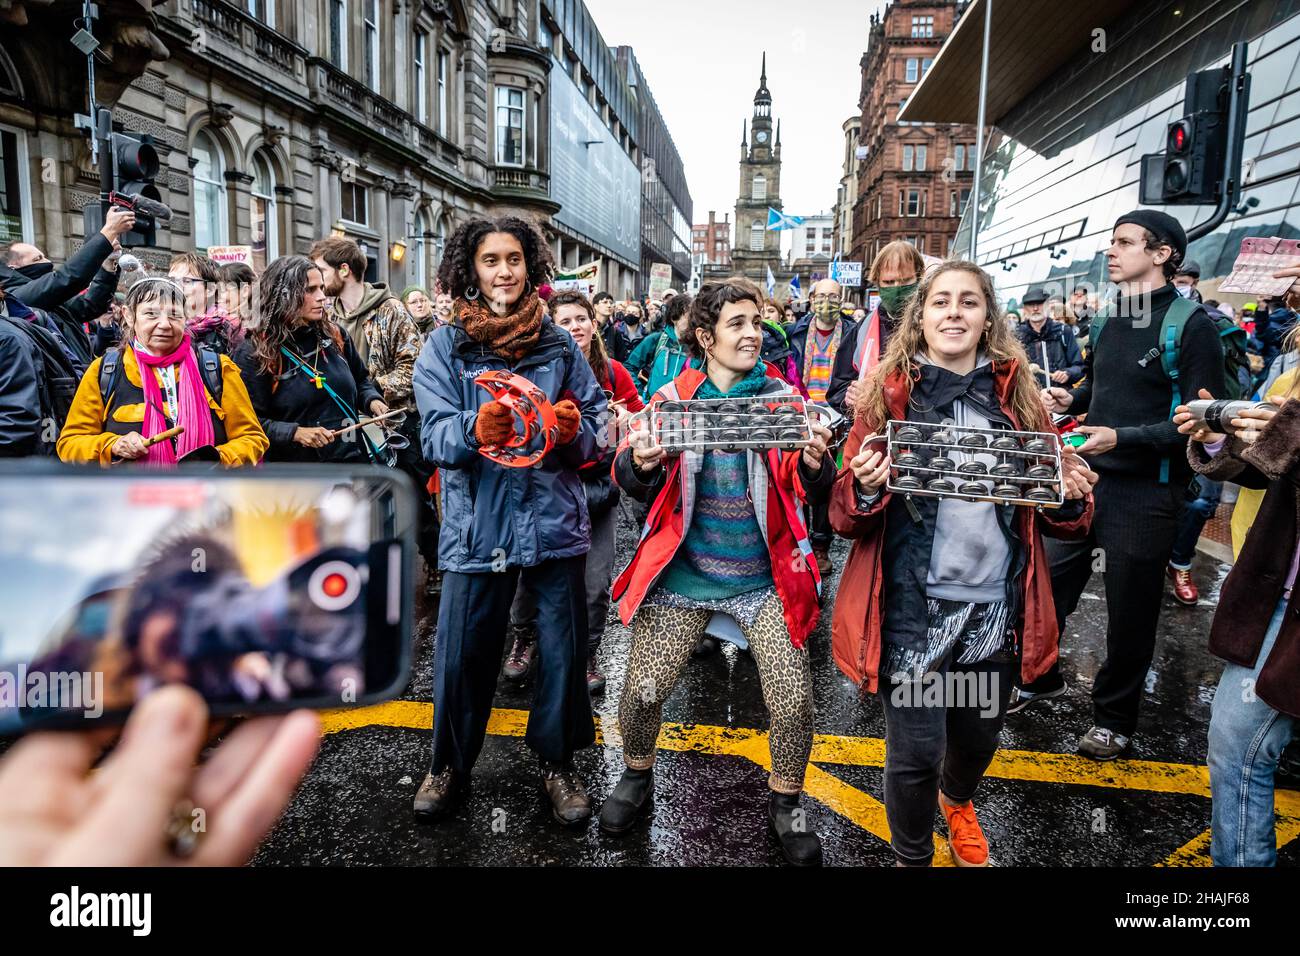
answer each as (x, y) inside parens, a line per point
(723, 553)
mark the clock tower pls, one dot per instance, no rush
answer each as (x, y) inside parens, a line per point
(756, 247)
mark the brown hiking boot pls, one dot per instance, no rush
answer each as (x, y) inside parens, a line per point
(519, 662)
(439, 795)
(563, 787)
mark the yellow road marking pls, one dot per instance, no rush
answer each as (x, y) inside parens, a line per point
(848, 801)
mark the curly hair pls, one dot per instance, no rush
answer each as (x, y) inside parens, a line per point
(280, 294)
(998, 342)
(707, 307)
(456, 272)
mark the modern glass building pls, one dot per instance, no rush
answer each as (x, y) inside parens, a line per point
(1076, 106)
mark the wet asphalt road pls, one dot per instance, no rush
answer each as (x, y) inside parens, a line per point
(355, 805)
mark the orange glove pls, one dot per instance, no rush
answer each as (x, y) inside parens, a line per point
(568, 418)
(495, 424)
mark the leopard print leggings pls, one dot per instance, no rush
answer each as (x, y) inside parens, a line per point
(663, 638)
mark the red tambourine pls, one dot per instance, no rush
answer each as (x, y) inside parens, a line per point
(533, 409)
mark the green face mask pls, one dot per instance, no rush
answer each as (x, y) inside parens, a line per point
(895, 297)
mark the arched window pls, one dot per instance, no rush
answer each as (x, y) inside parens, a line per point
(440, 234)
(210, 220)
(265, 222)
(423, 242)
(756, 237)
(760, 186)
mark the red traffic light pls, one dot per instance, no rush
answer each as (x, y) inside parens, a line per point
(1180, 136)
(134, 160)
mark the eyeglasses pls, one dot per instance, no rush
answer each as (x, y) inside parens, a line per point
(833, 300)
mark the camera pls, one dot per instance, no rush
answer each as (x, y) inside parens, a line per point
(1217, 414)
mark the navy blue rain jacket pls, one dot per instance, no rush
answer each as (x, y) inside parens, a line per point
(496, 517)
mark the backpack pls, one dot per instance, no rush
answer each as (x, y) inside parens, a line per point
(1232, 338)
(56, 379)
(209, 360)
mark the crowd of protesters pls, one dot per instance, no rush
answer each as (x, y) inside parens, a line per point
(224, 366)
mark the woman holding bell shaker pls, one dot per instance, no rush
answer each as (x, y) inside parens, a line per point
(940, 592)
(506, 526)
(1256, 627)
(304, 375)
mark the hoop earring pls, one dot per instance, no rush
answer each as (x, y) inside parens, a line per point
(471, 293)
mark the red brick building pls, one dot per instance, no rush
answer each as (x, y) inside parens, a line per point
(712, 241)
(916, 177)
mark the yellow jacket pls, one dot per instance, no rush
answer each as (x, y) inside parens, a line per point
(1249, 499)
(84, 439)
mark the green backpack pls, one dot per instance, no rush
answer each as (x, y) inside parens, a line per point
(1231, 337)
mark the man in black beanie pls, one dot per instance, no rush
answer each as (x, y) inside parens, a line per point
(1149, 335)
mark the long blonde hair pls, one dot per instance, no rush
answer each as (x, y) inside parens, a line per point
(998, 343)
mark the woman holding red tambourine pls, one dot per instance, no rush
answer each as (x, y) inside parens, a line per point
(538, 405)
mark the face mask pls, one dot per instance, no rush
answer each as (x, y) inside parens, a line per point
(1184, 290)
(35, 270)
(824, 310)
(893, 298)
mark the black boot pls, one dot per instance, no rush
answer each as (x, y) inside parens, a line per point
(633, 797)
(439, 795)
(800, 845)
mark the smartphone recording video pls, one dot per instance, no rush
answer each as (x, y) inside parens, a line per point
(263, 590)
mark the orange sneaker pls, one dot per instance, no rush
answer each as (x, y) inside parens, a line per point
(965, 838)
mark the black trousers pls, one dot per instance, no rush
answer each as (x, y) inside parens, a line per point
(472, 620)
(939, 742)
(1133, 533)
(818, 515)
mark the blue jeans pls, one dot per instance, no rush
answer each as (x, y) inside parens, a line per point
(1247, 738)
(1193, 522)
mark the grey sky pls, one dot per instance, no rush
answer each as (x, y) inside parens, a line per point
(701, 59)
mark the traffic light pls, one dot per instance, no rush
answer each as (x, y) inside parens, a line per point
(1190, 170)
(135, 165)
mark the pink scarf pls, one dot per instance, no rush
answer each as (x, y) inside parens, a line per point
(192, 411)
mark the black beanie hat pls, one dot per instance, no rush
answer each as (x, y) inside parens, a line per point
(1160, 224)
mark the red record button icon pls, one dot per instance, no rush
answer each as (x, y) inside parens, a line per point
(334, 585)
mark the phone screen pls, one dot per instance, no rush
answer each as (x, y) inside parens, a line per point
(264, 590)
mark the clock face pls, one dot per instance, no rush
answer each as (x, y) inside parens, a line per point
(761, 137)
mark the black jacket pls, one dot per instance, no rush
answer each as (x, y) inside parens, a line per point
(799, 340)
(286, 402)
(20, 401)
(1136, 399)
(845, 372)
(56, 288)
(1063, 351)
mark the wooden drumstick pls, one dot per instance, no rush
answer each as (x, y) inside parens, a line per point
(368, 421)
(163, 436)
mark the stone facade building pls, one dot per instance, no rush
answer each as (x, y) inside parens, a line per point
(756, 247)
(916, 177)
(280, 121)
(847, 195)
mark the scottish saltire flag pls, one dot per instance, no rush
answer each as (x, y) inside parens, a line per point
(795, 291)
(778, 220)
(771, 284)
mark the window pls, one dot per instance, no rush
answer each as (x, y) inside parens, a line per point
(444, 60)
(965, 198)
(338, 13)
(262, 218)
(264, 10)
(909, 153)
(810, 245)
(756, 237)
(913, 69)
(354, 202)
(15, 195)
(925, 65)
(970, 156)
(952, 204)
(370, 35)
(920, 158)
(422, 249)
(826, 241)
(760, 187)
(911, 202)
(923, 27)
(510, 126)
(421, 78)
(958, 157)
(210, 219)
(545, 39)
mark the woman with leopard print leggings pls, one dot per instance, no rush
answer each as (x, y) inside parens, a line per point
(738, 550)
